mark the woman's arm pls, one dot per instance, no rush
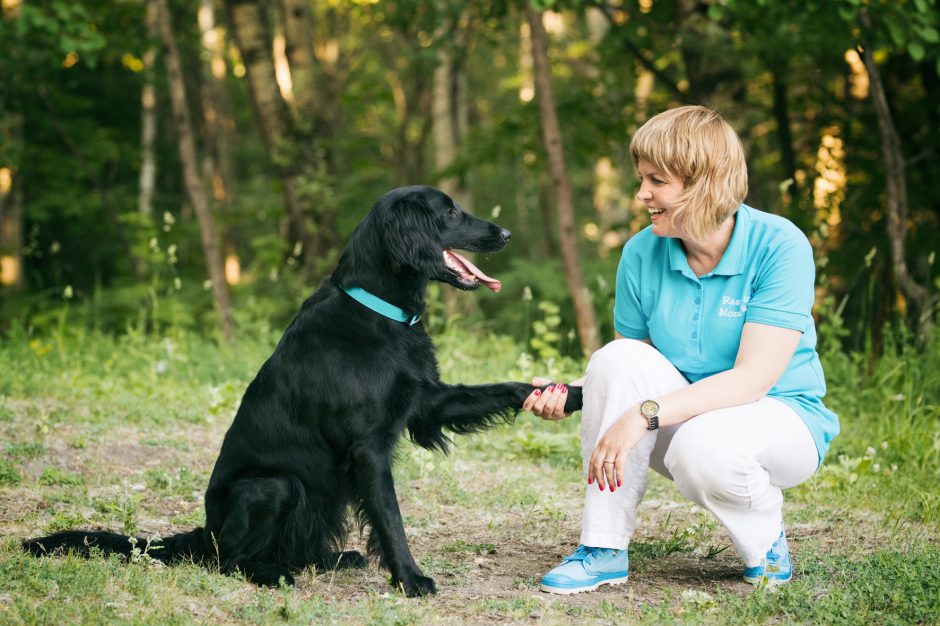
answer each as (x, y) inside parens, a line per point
(763, 356)
(550, 405)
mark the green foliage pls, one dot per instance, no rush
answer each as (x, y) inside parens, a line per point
(9, 475)
(25, 450)
(121, 505)
(55, 476)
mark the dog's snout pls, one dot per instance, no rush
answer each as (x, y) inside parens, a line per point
(505, 234)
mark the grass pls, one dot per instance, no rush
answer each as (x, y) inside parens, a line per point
(121, 433)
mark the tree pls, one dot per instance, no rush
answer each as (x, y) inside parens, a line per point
(148, 115)
(217, 124)
(551, 138)
(194, 187)
(895, 176)
(290, 132)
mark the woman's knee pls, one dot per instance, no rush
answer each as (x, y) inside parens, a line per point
(708, 471)
(618, 358)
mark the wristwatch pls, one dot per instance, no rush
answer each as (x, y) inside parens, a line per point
(650, 410)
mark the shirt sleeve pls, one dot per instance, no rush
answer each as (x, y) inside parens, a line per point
(629, 320)
(784, 285)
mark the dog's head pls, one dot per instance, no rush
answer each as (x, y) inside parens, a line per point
(421, 228)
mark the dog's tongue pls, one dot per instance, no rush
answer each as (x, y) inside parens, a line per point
(470, 268)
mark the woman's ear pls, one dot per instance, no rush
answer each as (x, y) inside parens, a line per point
(412, 236)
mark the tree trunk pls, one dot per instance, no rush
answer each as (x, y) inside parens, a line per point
(784, 134)
(251, 31)
(194, 187)
(895, 183)
(448, 107)
(217, 121)
(11, 230)
(297, 18)
(449, 114)
(148, 127)
(551, 137)
(148, 116)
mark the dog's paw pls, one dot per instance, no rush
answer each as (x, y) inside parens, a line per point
(575, 399)
(265, 575)
(417, 585)
(350, 559)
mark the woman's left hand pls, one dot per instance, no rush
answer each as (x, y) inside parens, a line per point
(610, 454)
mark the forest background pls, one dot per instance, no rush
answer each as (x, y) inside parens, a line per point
(177, 177)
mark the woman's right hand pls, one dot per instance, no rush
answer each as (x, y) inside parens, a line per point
(550, 404)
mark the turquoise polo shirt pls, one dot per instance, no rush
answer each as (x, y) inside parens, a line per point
(766, 276)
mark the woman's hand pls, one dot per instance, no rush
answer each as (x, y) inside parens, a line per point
(549, 405)
(610, 454)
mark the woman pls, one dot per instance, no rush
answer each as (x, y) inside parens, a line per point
(713, 378)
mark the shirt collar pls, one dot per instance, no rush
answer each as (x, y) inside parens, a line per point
(732, 261)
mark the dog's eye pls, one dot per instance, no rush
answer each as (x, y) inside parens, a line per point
(451, 212)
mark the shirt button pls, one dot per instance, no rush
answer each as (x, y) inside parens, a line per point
(694, 335)
(695, 317)
(698, 300)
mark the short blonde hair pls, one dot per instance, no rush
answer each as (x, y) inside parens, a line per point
(696, 145)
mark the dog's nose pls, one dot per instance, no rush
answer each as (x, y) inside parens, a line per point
(505, 234)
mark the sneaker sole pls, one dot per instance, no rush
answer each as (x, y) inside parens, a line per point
(574, 590)
(770, 582)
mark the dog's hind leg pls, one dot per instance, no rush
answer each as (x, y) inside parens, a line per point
(376, 489)
(260, 534)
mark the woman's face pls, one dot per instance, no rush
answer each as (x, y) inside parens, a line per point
(659, 191)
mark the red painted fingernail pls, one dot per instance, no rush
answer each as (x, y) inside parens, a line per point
(618, 482)
(590, 480)
(601, 486)
(538, 392)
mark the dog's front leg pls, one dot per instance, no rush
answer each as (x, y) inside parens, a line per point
(469, 408)
(376, 491)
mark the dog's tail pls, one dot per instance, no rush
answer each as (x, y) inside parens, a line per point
(196, 545)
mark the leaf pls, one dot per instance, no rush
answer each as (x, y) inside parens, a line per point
(715, 12)
(929, 34)
(916, 50)
(897, 35)
(847, 13)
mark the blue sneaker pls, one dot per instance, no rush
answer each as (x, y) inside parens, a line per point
(586, 570)
(777, 567)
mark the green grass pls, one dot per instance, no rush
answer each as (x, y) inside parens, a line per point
(121, 433)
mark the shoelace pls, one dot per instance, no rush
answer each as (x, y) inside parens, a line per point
(581, 554)
(779, 551)
(585, 554)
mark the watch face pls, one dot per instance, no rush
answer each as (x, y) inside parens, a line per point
(649, 408)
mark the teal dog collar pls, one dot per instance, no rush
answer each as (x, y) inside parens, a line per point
(380, 306)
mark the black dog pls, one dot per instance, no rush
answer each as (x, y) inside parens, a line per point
(316, 428)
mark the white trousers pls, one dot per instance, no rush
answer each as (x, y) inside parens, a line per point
(735, 462)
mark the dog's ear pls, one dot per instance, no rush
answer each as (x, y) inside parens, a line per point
(412, 235)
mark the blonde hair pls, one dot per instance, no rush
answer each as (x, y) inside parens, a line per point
(697, 146)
